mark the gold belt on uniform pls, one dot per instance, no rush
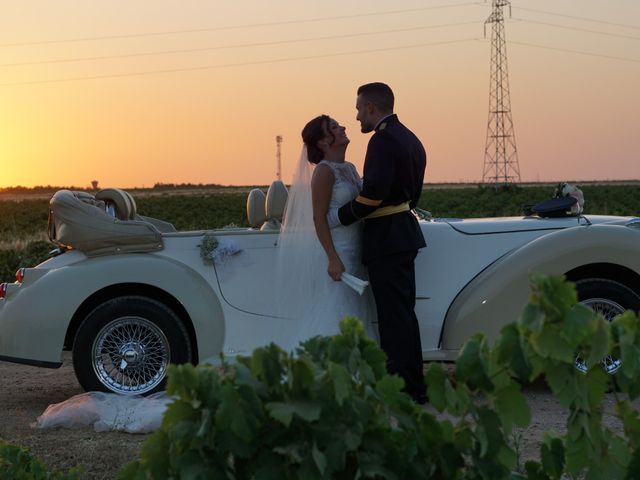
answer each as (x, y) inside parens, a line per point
(389, 210)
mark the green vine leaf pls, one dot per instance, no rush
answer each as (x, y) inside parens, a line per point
(435, 380)
(284, 412)
(319, 459)
(471, 364)
(552, 456)
(341, 382)
(512, 407)
(599, 343)
(576, 326)
(510, 352)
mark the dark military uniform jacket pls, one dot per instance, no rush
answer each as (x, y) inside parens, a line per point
(393, 174)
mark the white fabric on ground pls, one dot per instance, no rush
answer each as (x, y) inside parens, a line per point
(107, 411)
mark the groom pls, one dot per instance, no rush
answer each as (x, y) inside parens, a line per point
(393, 176)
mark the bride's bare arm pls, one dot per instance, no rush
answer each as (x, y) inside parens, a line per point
(321, 190)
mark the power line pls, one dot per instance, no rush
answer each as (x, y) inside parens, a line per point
(604, 22)
(577, 29)
(309, 57)
(578, 52)
(241, 45)
(237, 27)
(240, 64)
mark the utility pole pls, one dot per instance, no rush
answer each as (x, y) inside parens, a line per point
(278, 157)
(500, 154)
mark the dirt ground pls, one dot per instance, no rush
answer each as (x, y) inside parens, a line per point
(25, 392)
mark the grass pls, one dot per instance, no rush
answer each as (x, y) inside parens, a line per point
(23, 222)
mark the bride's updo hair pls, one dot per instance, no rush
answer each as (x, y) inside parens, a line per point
(312, 133)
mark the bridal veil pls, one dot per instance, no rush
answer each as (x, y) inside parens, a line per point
(301, 277)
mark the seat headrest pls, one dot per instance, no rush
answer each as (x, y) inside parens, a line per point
(125, 205)
(256, 208)
(134, 206)
(276, 201)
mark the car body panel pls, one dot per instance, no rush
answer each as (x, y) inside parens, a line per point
(458, 250)
(472, 276)
(498, 294)
(440, 276)
(32, 329)
(245, 279)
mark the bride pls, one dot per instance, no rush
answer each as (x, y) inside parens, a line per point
(311, 256)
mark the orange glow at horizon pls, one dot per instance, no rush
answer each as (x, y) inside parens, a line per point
(91, 110)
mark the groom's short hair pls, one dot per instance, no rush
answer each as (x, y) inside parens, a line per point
(380, 94)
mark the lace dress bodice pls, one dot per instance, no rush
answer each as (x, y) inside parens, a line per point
(347, 182)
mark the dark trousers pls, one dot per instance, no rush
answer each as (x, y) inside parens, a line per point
(393, 282)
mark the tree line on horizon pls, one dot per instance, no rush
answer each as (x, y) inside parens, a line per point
(55, 188)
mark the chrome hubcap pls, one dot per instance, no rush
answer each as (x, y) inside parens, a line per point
(130, 355)
(608, 309)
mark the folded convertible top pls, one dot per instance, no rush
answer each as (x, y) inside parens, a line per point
(79, 220)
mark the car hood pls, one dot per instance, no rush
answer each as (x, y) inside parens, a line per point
(480, 226)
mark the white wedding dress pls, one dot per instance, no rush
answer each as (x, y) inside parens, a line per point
(348, 244)
(312, 301)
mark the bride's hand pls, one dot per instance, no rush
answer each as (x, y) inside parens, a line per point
(335, 268)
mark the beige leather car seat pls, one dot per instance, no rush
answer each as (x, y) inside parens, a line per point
(275, 204)
(256, 208)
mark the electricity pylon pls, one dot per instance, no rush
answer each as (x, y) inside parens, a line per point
(500, 154)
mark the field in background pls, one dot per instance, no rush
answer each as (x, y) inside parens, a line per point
(23, 214)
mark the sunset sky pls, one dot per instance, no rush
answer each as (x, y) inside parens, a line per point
(131, 93)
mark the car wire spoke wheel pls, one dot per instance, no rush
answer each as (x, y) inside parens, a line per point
(130, 355)
(609, 310)
(609, 298)
(125, 344)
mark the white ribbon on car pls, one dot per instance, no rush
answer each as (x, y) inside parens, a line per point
(356, 283)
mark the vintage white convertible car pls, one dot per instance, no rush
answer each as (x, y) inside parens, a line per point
(128, 294)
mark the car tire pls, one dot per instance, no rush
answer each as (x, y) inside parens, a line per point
(610, 298)
(125, 345)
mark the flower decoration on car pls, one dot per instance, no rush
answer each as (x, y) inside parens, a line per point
(214, 250)
(207, 247)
